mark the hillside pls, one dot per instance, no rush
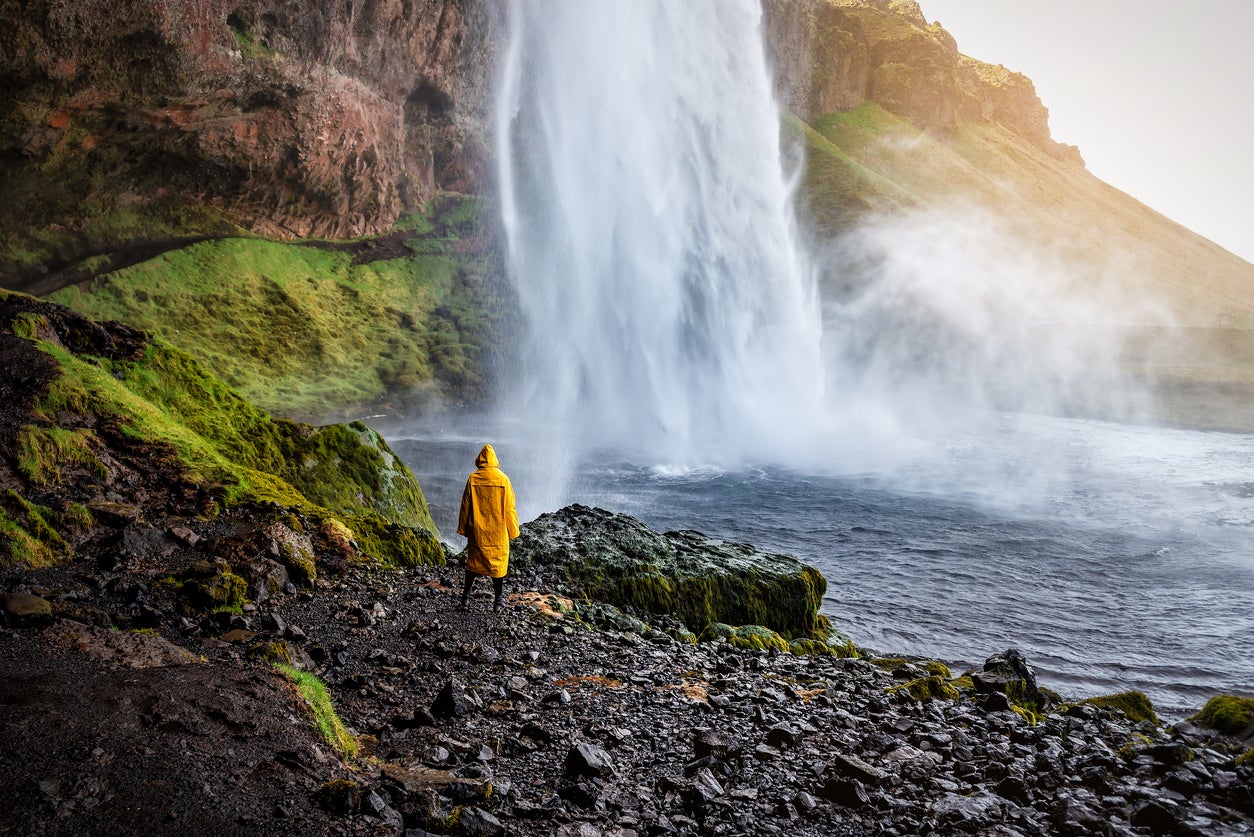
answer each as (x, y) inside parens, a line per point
(915, 150)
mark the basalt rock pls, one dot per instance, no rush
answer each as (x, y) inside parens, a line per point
(615, 558)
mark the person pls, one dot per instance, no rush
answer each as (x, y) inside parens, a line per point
(488, 520)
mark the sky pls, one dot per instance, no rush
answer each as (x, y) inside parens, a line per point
(1157, 94)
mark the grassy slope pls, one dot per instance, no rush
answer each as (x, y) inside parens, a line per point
(1191, 303)
(161, 409)
(305, 331)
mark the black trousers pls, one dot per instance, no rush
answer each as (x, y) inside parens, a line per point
(498, 586)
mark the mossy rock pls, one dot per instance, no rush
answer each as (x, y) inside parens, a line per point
(1136, 705)
(1246, 759)
(1228, 714)
(749, 637)
(224, 591)
(837, 645)
(617, 559)
(277, 652)
(933, 687)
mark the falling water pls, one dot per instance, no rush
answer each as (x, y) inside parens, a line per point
(669, 307)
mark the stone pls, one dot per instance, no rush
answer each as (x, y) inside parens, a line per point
(1158, 817)
(852, 767)
(586, 759)
(25, 610)
(184, 535)
(451, 702)
(781, 735)
(712, 744)
(475, 822)
(844, 791)
(617, 559)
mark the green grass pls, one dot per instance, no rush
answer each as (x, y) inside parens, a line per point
(302, 331)
(159, 409)
(325, 719)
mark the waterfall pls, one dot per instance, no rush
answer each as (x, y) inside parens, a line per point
(669, 308)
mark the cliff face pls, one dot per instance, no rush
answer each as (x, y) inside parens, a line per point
(834, 55)
(286, 118)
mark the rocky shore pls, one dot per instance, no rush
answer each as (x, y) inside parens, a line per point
(129, 706)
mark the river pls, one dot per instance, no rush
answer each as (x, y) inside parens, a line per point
(1115, 556)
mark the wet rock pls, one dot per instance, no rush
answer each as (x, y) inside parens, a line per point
(845, 791)
(586, 759)
(852, 767)
(967, 811)
(451, 702)
(712, 744)
(782, 735)
(1009, 669)
(475, 822)
(1157, 816)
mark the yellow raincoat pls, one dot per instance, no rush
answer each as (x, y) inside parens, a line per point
(489, 517)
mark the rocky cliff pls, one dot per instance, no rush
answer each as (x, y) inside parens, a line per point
(834, 55)
(126, 121)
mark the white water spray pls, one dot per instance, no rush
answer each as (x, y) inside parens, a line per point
(670, 309)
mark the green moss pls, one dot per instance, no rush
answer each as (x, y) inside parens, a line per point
(325, 718)
(1132, 748)
(963, 683)
(1134, 704)
(275, 653)
(224, 592)
(314, 331)
(750, 637)
(44, 453)
(927, 688)
(249, 46)
(1028, 713)
(938, 669)
(165, 398)
(1246, 759)
(26, 536)
(1228, 714)
(888, 663)
(393, 545)
(28, 326)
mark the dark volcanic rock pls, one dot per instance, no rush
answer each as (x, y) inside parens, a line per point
(617, 559)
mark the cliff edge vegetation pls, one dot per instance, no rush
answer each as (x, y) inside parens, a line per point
(102, 425)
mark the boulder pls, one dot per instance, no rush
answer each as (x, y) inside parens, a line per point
(617, 559)
(25, 610)
(588, 760)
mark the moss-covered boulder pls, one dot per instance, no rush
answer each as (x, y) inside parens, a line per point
(1134, 704)
(99, 415)
(922, 689)
(611, 557)
(1228, 714)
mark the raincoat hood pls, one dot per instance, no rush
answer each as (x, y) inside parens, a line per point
(487, 458)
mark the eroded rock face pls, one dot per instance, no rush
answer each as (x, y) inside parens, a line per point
(300, 120)
(834, 55)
